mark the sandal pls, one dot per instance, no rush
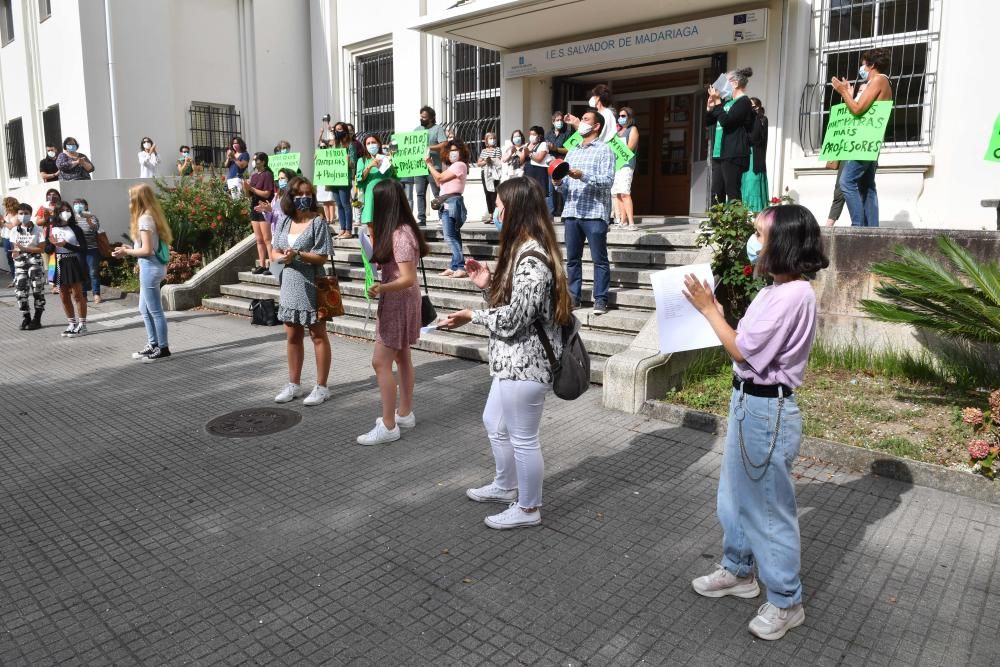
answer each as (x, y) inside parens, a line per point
(447, 273)
(459, 274)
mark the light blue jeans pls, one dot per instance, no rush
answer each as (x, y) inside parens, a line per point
(857, 184)
(151, 274)
(453, 216)
(759, 518)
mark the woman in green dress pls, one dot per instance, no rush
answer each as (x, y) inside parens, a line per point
(754, 183)
(370, 174)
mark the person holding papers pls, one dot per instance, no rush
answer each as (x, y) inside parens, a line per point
(373, 168)
(770, 348)
(398, 247)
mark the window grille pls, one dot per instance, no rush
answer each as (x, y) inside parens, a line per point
(6, 22)
(471, 84)
(52, 126)
(372, 94)
(212, 128)
(44, 9)
(17, 166)
(843, 30)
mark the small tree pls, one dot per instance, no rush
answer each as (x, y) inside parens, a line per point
(726, 231)
(203, 217)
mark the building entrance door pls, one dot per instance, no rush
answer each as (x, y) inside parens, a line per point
(662, 181)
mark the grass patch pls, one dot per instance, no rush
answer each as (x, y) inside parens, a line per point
(905, 404)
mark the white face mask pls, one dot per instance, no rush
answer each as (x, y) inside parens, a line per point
(454, 156)
(146, 145)
(24, 218)
(594, 100)
(51, 153)
(491, 142)
(533, 138)
(585, 128)
(65, 216)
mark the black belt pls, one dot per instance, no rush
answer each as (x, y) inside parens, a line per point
(761, 390)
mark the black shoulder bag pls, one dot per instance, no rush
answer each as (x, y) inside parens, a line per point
(427, 312)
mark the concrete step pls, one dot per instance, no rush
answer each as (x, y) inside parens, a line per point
(683, 237)
(451, 343)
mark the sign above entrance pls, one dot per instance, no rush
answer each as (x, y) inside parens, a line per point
(645, 43)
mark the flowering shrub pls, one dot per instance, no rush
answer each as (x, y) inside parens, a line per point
(726, 231)
(985, 443)
(181, 268)
(204, 219)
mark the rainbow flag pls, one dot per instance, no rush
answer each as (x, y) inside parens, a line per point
(52, 268)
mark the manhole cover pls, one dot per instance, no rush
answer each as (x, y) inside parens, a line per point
(253, 422)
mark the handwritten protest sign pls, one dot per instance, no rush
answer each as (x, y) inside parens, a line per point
(280, 161)
(409, 159)
(330, 167)
(993, 151)
(621, 150)
(850, 137)
(572, 141)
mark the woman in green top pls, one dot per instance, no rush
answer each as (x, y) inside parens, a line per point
(754, 183)
(185, 164)
(733, 120)
(369, 176)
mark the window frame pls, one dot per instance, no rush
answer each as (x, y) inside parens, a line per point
(224, 123)
(471, 129)
(385, 109)
(15, 160)
(44, 10)
(7, 34)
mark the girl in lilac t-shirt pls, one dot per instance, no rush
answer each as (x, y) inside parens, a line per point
(769, 347)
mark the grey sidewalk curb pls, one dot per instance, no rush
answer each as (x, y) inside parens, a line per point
(847, 456)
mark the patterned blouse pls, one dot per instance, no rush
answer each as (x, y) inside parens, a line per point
(515, 351)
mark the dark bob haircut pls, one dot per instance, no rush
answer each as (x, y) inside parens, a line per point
(794, 243)
(292, 191)
(877, 58)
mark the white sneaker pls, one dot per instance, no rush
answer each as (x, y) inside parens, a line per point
(772, 623)
(80, 329)
(68, 333)
(318, 395)
(379, 435)
(514, 517)
(289, 393)
(491, 493)
(722, 582)
(409, 421)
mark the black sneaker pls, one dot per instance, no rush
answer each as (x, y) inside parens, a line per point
(600, 308)
(157, 354)
(143, 353)
(257, 270)
(26, 322)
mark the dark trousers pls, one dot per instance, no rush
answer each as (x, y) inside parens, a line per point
(420, 184)
(727, 176)
(491, 197)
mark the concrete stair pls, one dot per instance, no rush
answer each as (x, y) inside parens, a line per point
(634, 257)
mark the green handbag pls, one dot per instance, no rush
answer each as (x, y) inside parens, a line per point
(163, 253)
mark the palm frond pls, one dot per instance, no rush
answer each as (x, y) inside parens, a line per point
(984, 275)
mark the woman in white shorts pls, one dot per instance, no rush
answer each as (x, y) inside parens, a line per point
(621, 188)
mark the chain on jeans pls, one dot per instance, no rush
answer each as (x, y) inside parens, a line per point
(744, 456)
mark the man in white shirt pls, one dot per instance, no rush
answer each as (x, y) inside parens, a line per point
(600, 99)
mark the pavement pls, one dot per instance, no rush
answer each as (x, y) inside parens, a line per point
(131, 535)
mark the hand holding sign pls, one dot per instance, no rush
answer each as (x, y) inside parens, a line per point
(621, 150)
(409, 157)
(850, 137)
(993, 150)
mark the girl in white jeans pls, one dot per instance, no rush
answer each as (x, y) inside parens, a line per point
(529, 286)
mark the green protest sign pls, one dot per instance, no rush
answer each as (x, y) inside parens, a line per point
(280, 161)
(330, 167)
(993, 152)
(850, 137)
(572, 141)
(621, 150)
(409, 159)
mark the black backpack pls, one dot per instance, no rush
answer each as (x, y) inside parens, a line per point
(571, 371)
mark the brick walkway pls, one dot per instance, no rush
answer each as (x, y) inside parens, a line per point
(130, 535)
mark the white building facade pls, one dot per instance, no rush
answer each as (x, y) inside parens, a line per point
(197, 71)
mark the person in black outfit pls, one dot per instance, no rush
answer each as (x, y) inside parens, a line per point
(758, 136)
(556, 138)
(47, 168)
(731, 147)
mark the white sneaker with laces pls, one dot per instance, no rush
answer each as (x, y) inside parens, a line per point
(289, 393)
(722, 582)
(772, 622)
(70, 328)
(491, 493)
(514, 517)
(80, 329)
(379, 435)
(318, 395)
(409, 421)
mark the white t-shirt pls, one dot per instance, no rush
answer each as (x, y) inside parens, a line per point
(610, 128)
(148, 163)
(63, 234)
(146, 223)
(23, 236)
(544, 148)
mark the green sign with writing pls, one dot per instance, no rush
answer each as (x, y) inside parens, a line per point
(280, 161)
(572, 141)
(409, 158)
(993, 152)
(621, 150)
(330, 167)
(850, 137)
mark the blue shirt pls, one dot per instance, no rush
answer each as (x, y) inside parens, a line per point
(589, 197)
(234, 169)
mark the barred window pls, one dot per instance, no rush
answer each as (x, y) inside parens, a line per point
(17, 166)
(909, 30)
(52, 126)
(372, 78)
(212, 128)
(472, 92)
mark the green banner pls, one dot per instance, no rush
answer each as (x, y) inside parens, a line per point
(993, 152)
(621, 150)
(330, 167)
(572, 141)
(280, 161)
(850, 137)
(409, 159)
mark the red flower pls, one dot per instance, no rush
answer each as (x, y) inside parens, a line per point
(748, 270)
(775, 200)
(978, 449)
(218, 217)
(214, 225)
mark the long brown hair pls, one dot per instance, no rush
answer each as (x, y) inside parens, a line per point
(143, 201)
(526, 217)
(392, 211)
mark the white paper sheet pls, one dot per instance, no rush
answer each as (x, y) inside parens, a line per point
(384, 165)
(429, 328)
(679, 325)
(366, 245)
(275, 267)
